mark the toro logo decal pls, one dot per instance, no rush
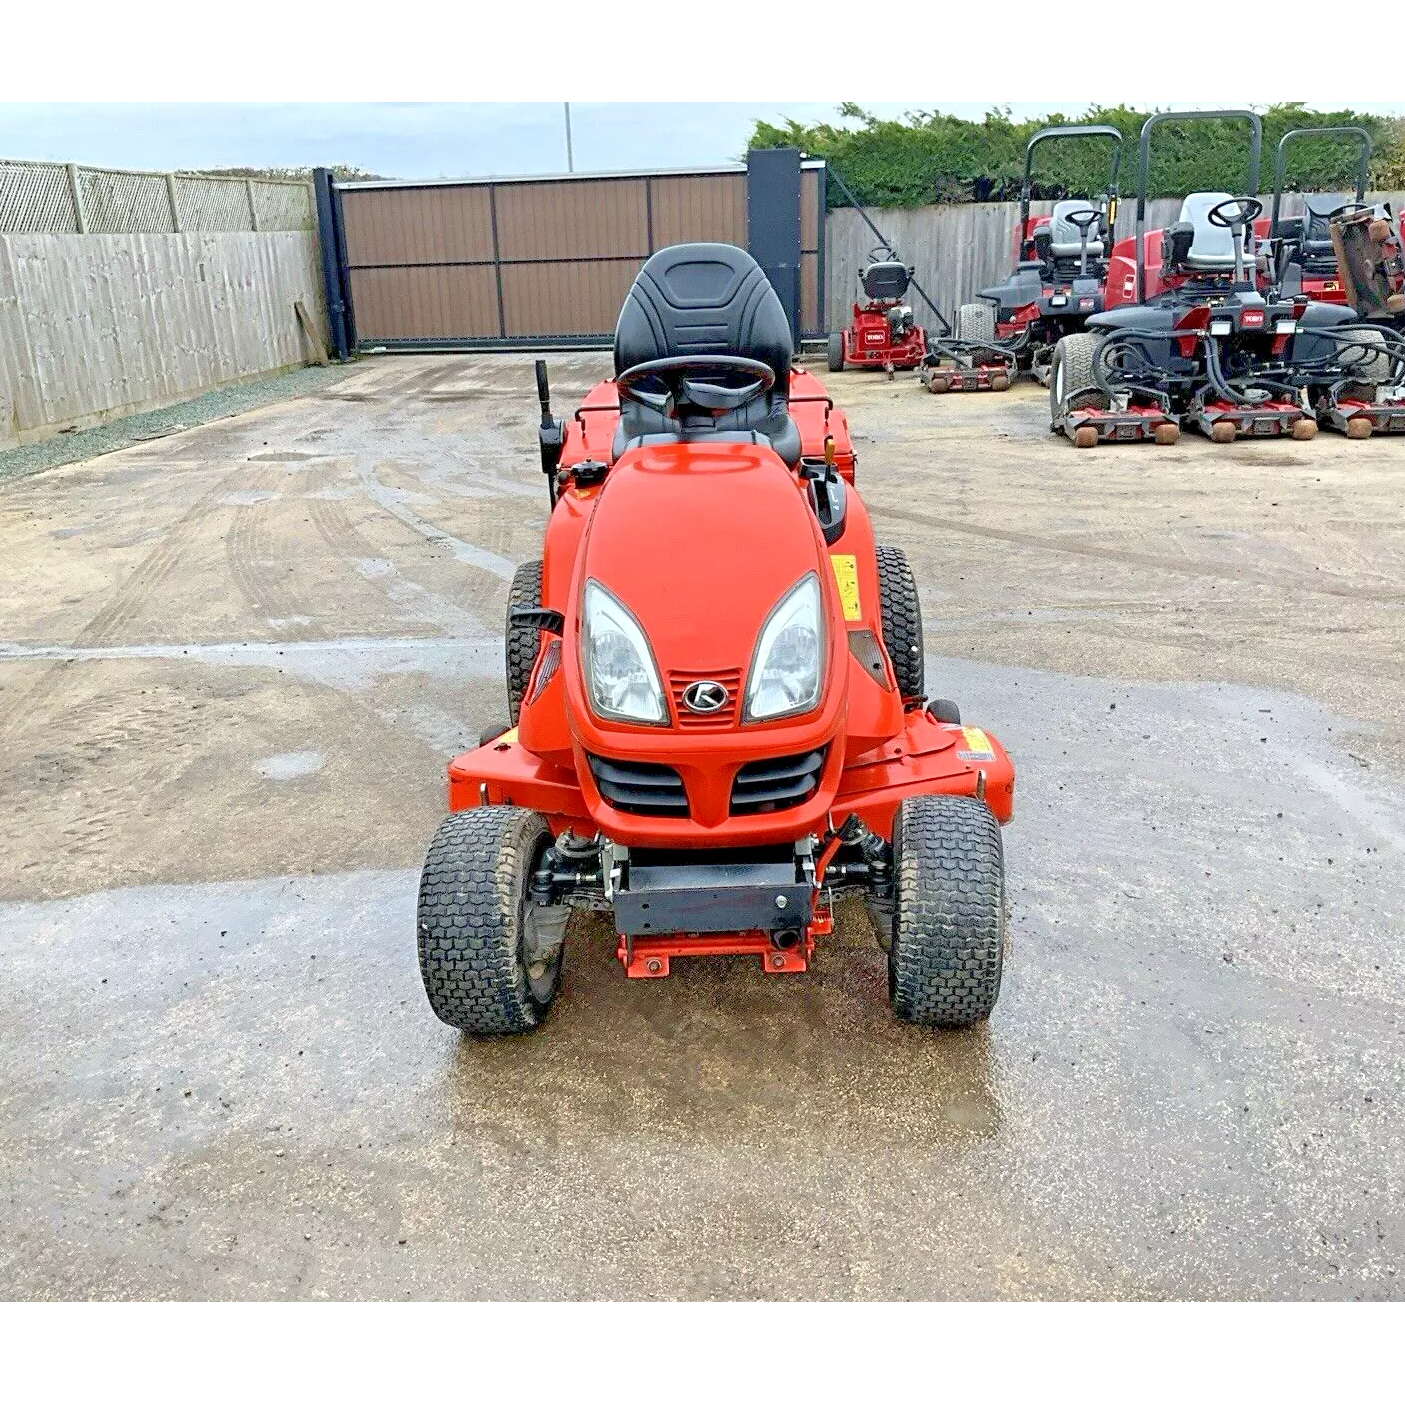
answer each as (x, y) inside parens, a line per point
(706, 695)
(1253, 317)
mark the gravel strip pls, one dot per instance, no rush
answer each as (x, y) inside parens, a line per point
(156, 424)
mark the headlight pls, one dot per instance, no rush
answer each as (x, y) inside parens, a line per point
(785, 670)
(620, 677)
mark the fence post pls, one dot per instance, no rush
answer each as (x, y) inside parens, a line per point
(331, 264)
(75, 190)
(253, 206)
(173, 198)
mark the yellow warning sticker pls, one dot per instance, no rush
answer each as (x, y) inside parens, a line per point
(846, 577)
(978, 747)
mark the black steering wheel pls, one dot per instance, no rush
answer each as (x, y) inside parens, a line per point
(1350, 207)
(1083, 219)
(1245, 211)
(883, 254)
(701, 384)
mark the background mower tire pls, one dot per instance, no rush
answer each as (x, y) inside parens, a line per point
(520, 640)
(948, 933)
(975, 322)
(472, 920)
(836, 351)
(901, 611)
(1072, 384)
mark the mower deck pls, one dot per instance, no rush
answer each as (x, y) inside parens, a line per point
(943, 378)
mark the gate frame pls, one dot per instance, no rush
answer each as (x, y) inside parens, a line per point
(337, 269)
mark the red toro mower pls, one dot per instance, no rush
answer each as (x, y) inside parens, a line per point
(881, 334)
(716, 678)
(1060, 265)
(884, 330)
(1187, 337)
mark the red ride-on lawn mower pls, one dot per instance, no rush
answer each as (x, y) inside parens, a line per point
(1300, 255)
(1187, 337)
(1060, 265)
(881, 334)
(717, 683)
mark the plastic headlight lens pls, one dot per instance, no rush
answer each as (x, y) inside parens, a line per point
(785, 670)
(620, 677)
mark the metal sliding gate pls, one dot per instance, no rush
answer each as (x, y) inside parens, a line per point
(541, 261)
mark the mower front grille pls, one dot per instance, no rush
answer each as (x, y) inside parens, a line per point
(777, 783)
(680, 680)
(640, 787)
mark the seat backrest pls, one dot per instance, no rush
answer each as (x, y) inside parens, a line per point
(885, 282)
(701, 300)
(1211, 248)
(1317, 225)
(1064, 239)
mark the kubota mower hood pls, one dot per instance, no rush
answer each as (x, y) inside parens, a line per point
(703, 563)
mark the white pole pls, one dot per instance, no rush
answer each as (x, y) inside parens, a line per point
(570, 159)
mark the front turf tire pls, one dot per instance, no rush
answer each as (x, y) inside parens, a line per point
(1073, 385)
(948, 935)
(836, 351)
(471, 922)
(520, 640)
(901, 613)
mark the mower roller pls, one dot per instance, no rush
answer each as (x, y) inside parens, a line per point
(1060, 265)
(1187, 338)
(717, 681)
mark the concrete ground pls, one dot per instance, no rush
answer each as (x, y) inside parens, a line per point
(233, 662)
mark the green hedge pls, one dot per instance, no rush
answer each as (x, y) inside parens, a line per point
(929, 156)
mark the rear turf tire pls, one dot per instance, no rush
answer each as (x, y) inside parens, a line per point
(975, 321)
(836, 351)
(520, 640)
(901, 612)
(1072, 384)
(948, 933)
(471, 922)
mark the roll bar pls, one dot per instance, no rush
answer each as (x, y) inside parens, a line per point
(1256, 141)
(1280, 162)
(1049, 133)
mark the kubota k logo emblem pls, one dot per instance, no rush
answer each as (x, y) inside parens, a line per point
(705, 696)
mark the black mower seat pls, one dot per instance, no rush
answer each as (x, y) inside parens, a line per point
(701, 300)
(1317, 224)
(885, 282)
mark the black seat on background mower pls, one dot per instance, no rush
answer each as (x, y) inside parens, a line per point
(707, 300)
(1317, 225)
(885, 282)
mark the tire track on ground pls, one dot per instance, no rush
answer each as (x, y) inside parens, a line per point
(125, 603)
(1316, 584)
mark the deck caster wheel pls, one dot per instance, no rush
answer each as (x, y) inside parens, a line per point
(490, 958)
(944, 710)
(999, 382)
(1167, 433)
(938, 385)
(1304, 429)
(1379, 230)
(1085, 437)
(948, 926)
(1222, 432)
(1358, 427)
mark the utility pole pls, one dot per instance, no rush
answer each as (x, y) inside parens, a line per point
(570, 159)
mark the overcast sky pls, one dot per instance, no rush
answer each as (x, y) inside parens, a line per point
(415, 139)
